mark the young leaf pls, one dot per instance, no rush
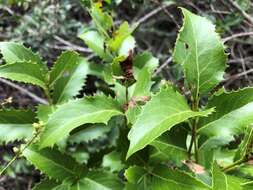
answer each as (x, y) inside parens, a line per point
(16, 124)
(161, 178)
(27, 72)
(53, 163)
(67, 76)
(219, 178)
(120, 35)
(201, 53)
(14, 52)
(96, 43)
(72, 114)
(144, 60)
(160, 114)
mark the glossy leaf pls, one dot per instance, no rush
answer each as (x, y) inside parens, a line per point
(46, 185)
(67, 76)
(14, 52)
(68, 116)
(26, 72)
(99, 180)
(234, 111)
(16, 124)
(161, 178)
(165, 109)
(201, 53)
(219, 178)
(47, 160)
(167, 149)
(96, 43)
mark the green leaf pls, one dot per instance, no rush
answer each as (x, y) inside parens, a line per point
(16, 125)
(96, 43)
(113, 161)
(144, 60)
(14, 52)
(89, 133)
(120, 35)
(102, 20)
(234, 112)
(53, 163)
(219, 178)
(201, 53)
(44, 111)
(161, 178)
(46, 185)
(127, 46)
(168, 147)
(98, 180)
(166, 109)
(143, 85)
(67, 76)
(72, 114)
(27, 72)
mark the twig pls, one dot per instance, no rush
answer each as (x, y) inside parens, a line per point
(237, 35)
(151, 14)
(24, 91)
(159, 69)
(246, 16)
(72, 46)
(233, 77)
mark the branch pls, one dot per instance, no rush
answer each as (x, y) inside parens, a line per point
(151, 14)
(71, 46)
(160, 68)
(246, 16)
(237, 36)
(24, 91)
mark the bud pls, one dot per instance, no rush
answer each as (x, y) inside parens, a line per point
(15, 149)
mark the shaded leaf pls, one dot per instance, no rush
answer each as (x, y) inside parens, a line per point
(47, 160)
(16, 124)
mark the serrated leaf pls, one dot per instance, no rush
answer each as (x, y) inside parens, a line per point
(167, 149)
(113, 161)
(161, 178)
(119, 36)
(16, 124)
(67, 76)
(46, 185)
(14, 52)
(98, 180)
(98, 109)
(166, 109)
(201, 53)
(89, 133)
(53, 163)
(143, 83)
(219, 178)
(144, 60)
(102, 20)
(27, 72)
(44, 111)
(96, 43)
(234, 111)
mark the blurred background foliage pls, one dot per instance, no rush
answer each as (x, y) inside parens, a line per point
(52, 26)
